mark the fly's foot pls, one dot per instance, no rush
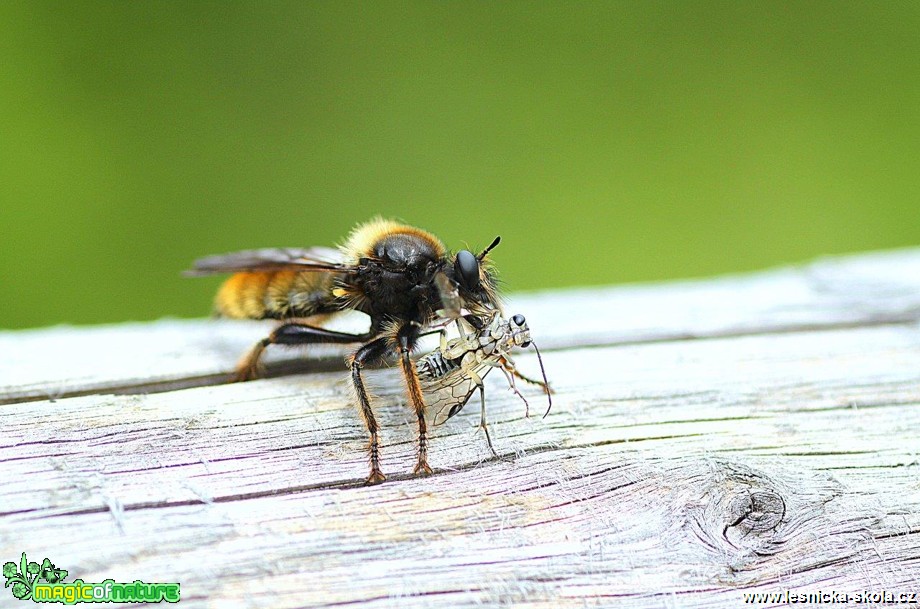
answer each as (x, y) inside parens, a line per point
(376, 477)
(249, 368)
(422, 468)
(245, 373)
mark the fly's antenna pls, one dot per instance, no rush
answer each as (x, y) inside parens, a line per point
(549, 395)
(491, 247)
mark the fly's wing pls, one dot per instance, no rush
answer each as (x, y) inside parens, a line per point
(448, 394)
(272, 259)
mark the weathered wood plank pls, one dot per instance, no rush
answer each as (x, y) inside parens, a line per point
(671, 474)
(780, 453)
(581, 527)
(303, 431)
(835, 292)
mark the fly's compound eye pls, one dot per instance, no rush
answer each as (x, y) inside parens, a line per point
(518, 320)
(467, 268)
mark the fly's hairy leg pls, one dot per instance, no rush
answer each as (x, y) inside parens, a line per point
(370, 353)
(250, 365)
(303, 334)
(292, 333)
(407, 338)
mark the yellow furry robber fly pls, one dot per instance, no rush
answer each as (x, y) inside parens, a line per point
(401, 277)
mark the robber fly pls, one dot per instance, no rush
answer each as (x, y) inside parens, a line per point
(452, 373)
(402, 277)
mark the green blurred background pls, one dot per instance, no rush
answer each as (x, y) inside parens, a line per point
(605, 141)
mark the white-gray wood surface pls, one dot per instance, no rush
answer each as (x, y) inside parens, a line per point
(752, 433)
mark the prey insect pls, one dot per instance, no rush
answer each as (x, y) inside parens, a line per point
(401, 277)
(451, 374)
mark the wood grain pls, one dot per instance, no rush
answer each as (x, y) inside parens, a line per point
(695, 453)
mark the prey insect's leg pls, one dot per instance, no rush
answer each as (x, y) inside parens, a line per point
(443, 338)
(407, 337)
(290, 334)
(441, 331)
(514, 388)
(508, 365)
(482, 408)
(369, 353)
(544, 384)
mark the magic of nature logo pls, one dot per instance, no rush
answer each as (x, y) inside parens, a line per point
(44, 583)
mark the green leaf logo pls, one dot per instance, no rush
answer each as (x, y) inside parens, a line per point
(52, 574)
(19, 578)
(21, 591)
(9, 570)
(23, 577)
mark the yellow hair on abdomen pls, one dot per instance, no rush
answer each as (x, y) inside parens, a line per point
(241, 296)
(274, 294)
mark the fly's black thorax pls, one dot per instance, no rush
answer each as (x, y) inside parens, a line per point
(396, 280)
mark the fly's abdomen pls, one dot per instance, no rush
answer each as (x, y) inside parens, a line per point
(276, 295)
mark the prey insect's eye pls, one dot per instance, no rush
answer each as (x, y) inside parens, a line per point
(525, 344)
(467, 267)
(518, 319)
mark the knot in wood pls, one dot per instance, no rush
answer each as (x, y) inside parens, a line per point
(754, 512)
(739, 514)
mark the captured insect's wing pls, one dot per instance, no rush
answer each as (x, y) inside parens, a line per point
(273, 259)
(448, 394)
(450, 297)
